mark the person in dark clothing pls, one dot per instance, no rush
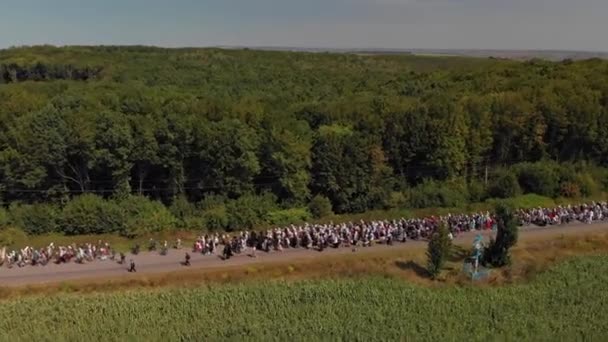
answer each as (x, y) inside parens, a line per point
(187, 262)
(122, 258)
(227, 251)
(132, 267)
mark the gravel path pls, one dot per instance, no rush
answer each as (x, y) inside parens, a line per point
(150, 263)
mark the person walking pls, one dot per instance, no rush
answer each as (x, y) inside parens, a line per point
(132, 267)
(187, 262)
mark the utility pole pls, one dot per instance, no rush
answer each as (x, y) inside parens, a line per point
(486, 175)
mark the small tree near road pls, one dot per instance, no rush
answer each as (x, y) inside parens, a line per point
(497, 254)
(438, 250)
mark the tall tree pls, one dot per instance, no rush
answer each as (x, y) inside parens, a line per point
(498, 253)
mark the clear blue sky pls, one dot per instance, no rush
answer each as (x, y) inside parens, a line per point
(487, 24)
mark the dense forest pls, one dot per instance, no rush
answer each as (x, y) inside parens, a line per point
(222, 139)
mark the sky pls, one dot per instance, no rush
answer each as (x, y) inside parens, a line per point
(404, 24)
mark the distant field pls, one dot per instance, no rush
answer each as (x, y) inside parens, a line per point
(565, 303)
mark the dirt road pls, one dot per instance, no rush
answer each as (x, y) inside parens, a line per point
(150, 263)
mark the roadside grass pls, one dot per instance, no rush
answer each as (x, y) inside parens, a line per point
(409, 265)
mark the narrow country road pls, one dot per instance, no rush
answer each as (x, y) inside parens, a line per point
(150, 263)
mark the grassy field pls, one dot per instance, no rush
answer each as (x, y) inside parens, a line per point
(565, 303)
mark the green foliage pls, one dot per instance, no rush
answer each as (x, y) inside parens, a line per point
(477, 192)
(504, 185)
(5, 218)
(90, 214)
(184, 211)
(431, 194)
(216, 218)
(249, 210)
(530, 201)
(36, 218)
(538, 178)
(439, 249)
(143, 216)
(497, 253)
(397, 200)
(288, 216)
(314, 310)
(171, 124)
(587, 185)
(320, 206)
(11, 236)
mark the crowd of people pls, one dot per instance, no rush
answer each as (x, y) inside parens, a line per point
(311, 236)
(58, 254)
(586, 213)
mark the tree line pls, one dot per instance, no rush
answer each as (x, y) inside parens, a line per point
(12, 73)
(363, 132)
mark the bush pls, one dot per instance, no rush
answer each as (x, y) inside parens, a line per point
(90, 214)
(212, 201)
(182, 210)
(145, 216)
(569, 190)
(587, 185)
(36, 218)
(194, 223)
(216, 218)
(396, 200)
(288, 216)
(249, 210)
(438, 251)
(477, 192)
(320, 206)
(541, 178)
(12, 236)
(5, 218)
(431, 194)
(504, 185)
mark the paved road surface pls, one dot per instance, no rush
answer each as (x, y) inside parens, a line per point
(150, 263)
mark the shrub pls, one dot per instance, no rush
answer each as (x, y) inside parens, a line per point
(477, 192)
(36, 218)
(569, 189)
(195, 223)
(182, 210)
(211, 201)
(397, 199)
(587, 185)
(431, 194)
(12, 236)
(320, 206)
(215, 218)
(90, 214)
(504, 185)
(5, 218)
(145, 216)
(288, 216)
(438, 251)
(540, 178)
(249, 210)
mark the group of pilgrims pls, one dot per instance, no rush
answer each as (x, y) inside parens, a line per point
(310, 236)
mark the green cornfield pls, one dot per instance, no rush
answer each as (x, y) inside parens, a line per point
(567, 303)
